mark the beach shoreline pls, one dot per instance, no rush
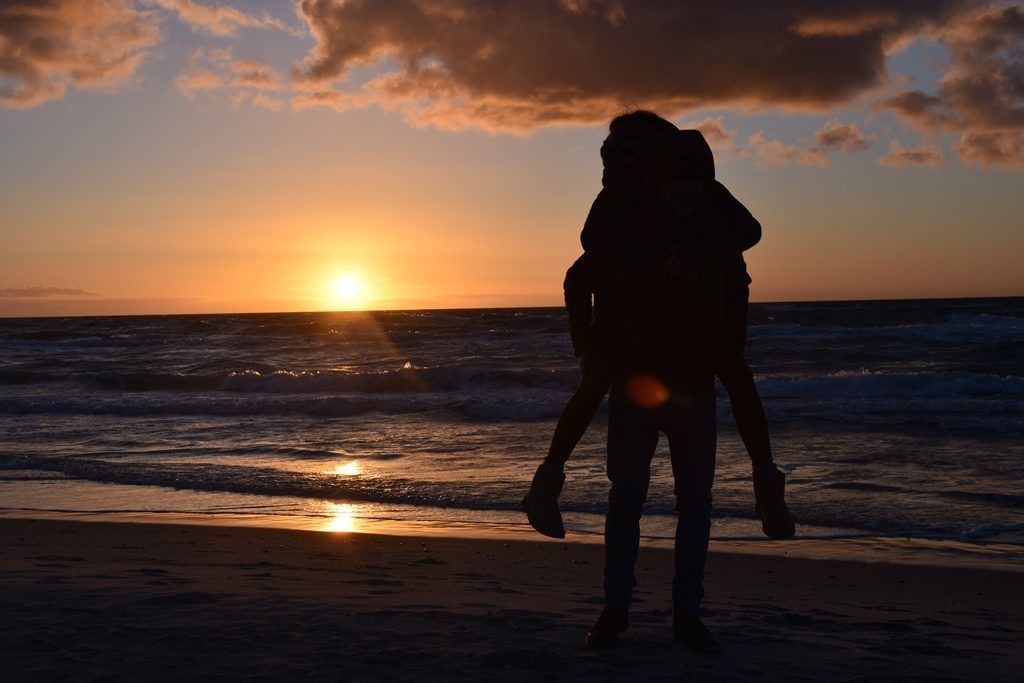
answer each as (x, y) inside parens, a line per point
(939, 552)
(121, 601)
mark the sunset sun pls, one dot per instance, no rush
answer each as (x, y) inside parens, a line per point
(347, 291)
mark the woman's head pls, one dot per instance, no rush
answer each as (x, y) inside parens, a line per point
(641, 118)
(637, 150)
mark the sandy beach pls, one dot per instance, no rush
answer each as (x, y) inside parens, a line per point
(120, 601)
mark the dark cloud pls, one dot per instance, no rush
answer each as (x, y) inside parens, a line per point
(515, 65)
(47, 45)
(518, 64)
(927, 111)
(37, 292)
(842, 136)
(981, 93)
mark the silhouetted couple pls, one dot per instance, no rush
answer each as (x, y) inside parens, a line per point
(657, 308)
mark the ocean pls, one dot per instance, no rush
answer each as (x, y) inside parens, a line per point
(893, 419)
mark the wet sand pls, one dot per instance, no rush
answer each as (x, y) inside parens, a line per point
(117, 601)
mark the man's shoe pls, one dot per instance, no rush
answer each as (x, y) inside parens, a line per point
(610, 624)
(541, 503)
(693, 632)
(770, 494)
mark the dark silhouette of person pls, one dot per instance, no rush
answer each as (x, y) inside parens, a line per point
(738, 231)
(657, 307)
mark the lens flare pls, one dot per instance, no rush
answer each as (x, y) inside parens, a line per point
(647, 391)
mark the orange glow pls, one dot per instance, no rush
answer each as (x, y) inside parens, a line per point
(343, 517)
(349, 469)
(348, 292)
(647, 391)
(284, 234)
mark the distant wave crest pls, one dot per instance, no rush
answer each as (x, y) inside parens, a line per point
(876, 384)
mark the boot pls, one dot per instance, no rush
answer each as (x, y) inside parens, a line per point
(770, 494)
(541, 503)
(610, 624)
(692, 631)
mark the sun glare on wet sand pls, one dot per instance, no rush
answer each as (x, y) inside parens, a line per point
(343, 517)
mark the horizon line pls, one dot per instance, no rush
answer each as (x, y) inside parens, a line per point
(491, 308)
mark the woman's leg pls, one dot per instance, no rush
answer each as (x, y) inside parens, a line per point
(747, 409)
(541, 503)
(738, 380)
(579, 411)
(751, 421)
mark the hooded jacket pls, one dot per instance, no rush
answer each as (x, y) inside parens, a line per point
(627, 233)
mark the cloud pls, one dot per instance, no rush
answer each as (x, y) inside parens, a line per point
(900, 156)
(871, 19)
(214, 70)
(48, 45)
(924, 110)
(842, 136)
(197, 77)
(981, 93)
(714, 131)
(36, 292)
(217, 20)
(777, 153)
(992, 148)
(513, 65)
(250, 73)
(264, 102)
(765, 152)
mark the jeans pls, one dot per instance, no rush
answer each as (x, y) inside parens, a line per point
(688, 420)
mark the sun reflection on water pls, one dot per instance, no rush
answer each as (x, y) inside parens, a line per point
(343, 517)
(349, 469)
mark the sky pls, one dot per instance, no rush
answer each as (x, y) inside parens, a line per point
(186, 156)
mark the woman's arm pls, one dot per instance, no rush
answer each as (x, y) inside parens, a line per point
(737, 229)
(579, 288)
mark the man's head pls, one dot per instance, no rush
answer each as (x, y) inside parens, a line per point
(693, 170)
(693, 156)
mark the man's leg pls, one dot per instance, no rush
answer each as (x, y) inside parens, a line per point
(692, 434)
(692, 440)
(632, 439)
